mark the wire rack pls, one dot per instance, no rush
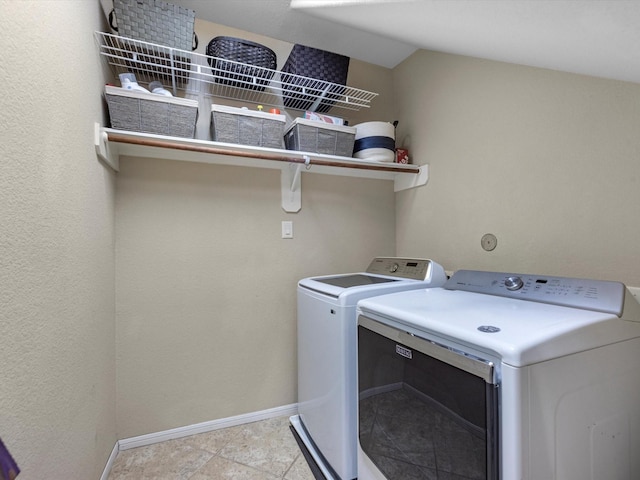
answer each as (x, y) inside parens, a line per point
(194, 73)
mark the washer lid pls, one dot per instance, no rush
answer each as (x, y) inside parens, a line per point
(384, 275)
(354, 280)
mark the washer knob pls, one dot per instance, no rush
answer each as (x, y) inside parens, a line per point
(394, 268)
(513, 283)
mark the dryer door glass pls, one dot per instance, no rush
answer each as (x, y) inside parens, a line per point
(425, 411)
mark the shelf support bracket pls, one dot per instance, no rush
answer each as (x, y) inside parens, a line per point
(106, 152)
(291, 187)
(405, 182)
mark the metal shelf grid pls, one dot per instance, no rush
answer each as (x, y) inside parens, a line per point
(192, 73)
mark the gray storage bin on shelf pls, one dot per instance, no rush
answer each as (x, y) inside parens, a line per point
(326, 74)
(247, 127)
(151, 113)
(319, 137)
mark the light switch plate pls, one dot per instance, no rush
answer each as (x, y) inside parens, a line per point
(287, 229)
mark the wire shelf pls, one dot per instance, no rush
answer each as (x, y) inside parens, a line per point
(198, 74)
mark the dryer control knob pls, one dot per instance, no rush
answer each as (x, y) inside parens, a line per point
(513, 283)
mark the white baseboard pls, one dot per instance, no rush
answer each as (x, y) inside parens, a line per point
(151, 438)
(112, 458)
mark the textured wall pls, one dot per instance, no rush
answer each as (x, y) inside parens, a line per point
(57, 374)
(206, 302)
(547, 161)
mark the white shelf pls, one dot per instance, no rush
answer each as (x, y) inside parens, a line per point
(111, 144)
(194, 74)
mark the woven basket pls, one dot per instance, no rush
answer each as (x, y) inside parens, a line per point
(155, 21)
(247, 127)
(319, 137)
(255, 67)
(151, 113)
(161, 23)
(323, 69)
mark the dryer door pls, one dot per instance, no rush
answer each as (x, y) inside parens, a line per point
(425, 410)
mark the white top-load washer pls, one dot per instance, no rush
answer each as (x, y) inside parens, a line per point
(327, 389)
(500, 376)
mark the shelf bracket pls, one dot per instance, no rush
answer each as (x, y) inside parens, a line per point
(291, 187)
(107, 152)
(405, 182)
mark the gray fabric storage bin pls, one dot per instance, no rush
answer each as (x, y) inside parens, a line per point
(319, 137)
(247, 127)
(151, 113)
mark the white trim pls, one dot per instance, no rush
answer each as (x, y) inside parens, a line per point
(110, 460)
(151, 438)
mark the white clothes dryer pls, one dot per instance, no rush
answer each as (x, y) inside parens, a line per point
(500, 376)
(327, 390)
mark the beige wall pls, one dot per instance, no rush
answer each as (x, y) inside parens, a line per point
(206, 305)
(57, 374)
(206, 288)
(547, 161)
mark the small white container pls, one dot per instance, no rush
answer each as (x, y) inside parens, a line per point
(375, 142)
(158, 89)
(129, 82)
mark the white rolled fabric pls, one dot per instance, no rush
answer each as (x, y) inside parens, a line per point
(375, 141)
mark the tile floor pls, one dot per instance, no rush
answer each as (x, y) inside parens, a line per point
(264, 450)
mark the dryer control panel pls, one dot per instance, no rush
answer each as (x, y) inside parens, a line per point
(411, 268)
(597, 295)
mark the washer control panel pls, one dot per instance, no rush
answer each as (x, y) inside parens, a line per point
(596, 295)
(412, 268)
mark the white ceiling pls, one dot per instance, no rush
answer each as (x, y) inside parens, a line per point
(592, 37)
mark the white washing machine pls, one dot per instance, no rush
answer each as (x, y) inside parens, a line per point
(327, 389)
(500, 376)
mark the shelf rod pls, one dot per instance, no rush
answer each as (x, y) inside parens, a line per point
(115, 137)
